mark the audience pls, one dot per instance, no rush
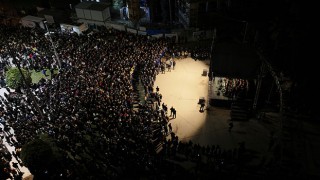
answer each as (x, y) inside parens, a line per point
(88, 106)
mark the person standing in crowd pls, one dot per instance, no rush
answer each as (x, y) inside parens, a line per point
(174, 113)
(165, 108)
(171, 111)
(2, 82)
(44, 72)
(158, 99)
(163, 68)
(169, 67)
(170, 127)
(173, 64)
(157, 89)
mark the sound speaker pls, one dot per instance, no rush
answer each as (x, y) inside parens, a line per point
(201, 100)
(205, 72)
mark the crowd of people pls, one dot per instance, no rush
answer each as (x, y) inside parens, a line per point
(87, 107)
(8, 167)
(232, 88)
(195, 52)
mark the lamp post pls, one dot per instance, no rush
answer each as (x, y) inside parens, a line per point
(245, 31)
(211, 54)
(52, 44)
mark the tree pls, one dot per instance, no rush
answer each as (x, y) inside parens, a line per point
(43, 158)
(14, 78)
(36, 155)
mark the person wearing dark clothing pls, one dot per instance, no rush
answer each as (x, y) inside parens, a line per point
(165, 107)
(170, 127)
(163, 69)
(173, 64)
(44, 72)
(171, 111)
(174, 113)
(2, 82)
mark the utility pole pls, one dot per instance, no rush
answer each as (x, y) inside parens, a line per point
(34, 100)
(211, 54)
(245, 31)
(52, 44)
(259, 82)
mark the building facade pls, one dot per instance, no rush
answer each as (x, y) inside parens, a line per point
(197, 13)
(93, 13)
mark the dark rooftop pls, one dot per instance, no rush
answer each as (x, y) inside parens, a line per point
(232, 59)
(83, 5)
(92, 6)
(98, 7)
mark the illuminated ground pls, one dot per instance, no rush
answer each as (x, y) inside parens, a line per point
(182, 88)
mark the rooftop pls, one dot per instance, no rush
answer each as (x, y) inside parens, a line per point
(92, 6)
(232, 59)
(33, 18)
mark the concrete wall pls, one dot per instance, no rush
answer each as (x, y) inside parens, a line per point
(93, 14)
(97, 15)
(87, 14)
(80, 13)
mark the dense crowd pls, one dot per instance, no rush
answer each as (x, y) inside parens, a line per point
(87, 108)
(195, 52)
(232, 87)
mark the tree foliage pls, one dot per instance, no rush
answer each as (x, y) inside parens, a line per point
(43, 158)
(37, 155)
(14, 79)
